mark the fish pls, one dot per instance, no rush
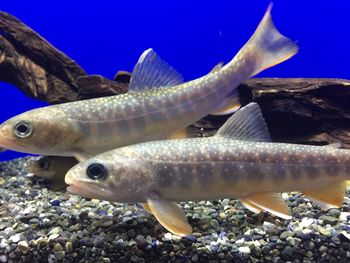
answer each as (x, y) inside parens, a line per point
(158, 105)
(52, 168)
(239, 161)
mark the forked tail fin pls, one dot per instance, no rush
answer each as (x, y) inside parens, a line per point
(271, 46)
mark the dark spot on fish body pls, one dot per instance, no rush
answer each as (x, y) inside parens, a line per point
(164, 175)
(253, 172)
(204, 173)
(185, 176)
(312, 171)
(295, 171)
(230, 173)
(332, 170)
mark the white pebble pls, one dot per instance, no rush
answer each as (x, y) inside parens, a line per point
(244, 250)
(3, 258)
(15, 238)
(306, 222)
(343, 216)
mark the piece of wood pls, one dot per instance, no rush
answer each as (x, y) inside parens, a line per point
(40, 70)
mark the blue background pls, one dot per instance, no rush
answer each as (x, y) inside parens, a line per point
(193, 36)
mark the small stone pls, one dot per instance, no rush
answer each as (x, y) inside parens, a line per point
(15, 238)
(69, 246)
(57, 247)
(306, 222)
(323, 249)
(194, 257)
(290, 241)
(334, 212)
(309, 254)
(9, 231)
(53, 236)
(60, 255)
(51, 258)
(141, 241)
(3, 258)
(2, 181)
(288, 251)
(244, 250)
(55, 230)
(344, 216)
(328, 220)
(286, 234)
(55, 202)
(23, 246)
(127, 219)
(134, 259)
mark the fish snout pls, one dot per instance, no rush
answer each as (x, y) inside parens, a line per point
(4, 136)
(72, 174)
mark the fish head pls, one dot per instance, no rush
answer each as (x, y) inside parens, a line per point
(40, 131)
(111, 176)
(42, 167)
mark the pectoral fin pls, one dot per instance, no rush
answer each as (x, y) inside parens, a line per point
(170, 215)
(270, 202)
(146, 207)
(330, 196)
(250, 206)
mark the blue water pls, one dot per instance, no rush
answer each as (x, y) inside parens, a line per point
(193, 36)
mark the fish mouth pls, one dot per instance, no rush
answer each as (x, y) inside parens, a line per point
(84, 190)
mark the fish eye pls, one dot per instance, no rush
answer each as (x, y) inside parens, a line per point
(23, 129)
(44, 164)
(96, 171)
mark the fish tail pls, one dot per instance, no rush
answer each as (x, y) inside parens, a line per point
(271, 46)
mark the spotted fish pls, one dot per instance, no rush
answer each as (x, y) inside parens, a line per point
(52, 168)
(240, 161)
(157, 104)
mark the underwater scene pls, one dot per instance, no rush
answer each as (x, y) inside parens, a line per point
(185, 131)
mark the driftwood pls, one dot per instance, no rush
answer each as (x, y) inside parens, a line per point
(36, 67)
(314, 111)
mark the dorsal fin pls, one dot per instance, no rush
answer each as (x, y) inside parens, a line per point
(246, 124)
(151, 72)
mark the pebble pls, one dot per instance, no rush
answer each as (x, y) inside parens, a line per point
(15, 238)
(3, 258)
(328, 220)
(23, 246)
(244, 250)
(57, 247)
(286, 234)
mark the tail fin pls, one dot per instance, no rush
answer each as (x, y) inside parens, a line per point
(272, 47)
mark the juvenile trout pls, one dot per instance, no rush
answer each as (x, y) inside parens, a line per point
(238, 162)
(52, 168)
(156, 106)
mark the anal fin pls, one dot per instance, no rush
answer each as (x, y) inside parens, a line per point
(270, 202)
(170, 215)
(330, 196)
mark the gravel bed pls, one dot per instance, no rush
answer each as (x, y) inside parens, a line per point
(40, 225)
